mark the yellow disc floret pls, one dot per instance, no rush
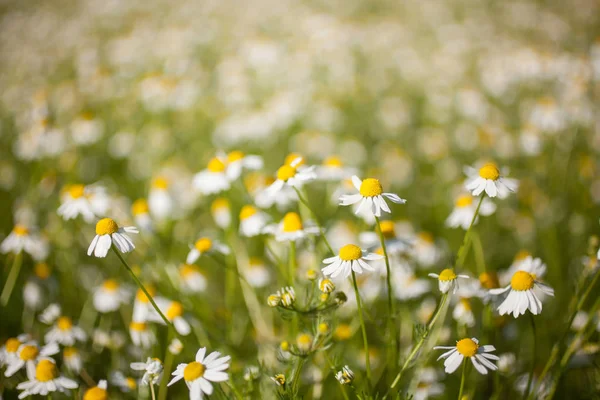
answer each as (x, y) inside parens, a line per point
(110, 285)
(464, 201)
(387, 229)
(20, 230)
(141, 296)
(350, 252)
(160, 183)
(139, 207)
(12, 345)
(235, 156)
(42, 270)
(106, 226)
(45, 371)
(69, 352)
(95, 393)
(64, 323)
(187, 270)
(216, 165)
(28, 352)
(193, 371)
(138, 326)
(489, 280)
(370, 187)
(467, 347)
(522, 280)
(343, 332)
(290, 158)
(286, 172)
(333, 162)
(489, 171)
(175, 310)
(447, 275)
(219, 204)
(203, 245)
(304, 342)
(292, 222)
(246, 212)
(76, 191)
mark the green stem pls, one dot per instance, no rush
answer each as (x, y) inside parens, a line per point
(530, 380)
(296, 376)
(152, 391)
(12, 278)
(321, 231)
(462, 379)
(162, 390)
(363, 328)
(462, 252)
(292, 263)
(478, 251)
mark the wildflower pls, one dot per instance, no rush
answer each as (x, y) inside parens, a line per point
(72, 359)
(221, 212)
(173, 310)
(213, 179)
(342, 332)
(488, 179)
(125, 383)
(291, 175)
(287, 296)
(65, 333)
(279, 379)
(350, 258)
(251, 373)
(323, 328)
(464, 210)
(463, 312)
(160, 201)
(332, 169)
(252, 221)
(524, 262)
(291, 229)
(192, 279)
(345, 376)
(87, 129)
(326, 286)
(87, 201)
(28, 354)
(424, 249)
(43, 379)
(175, 347)
(141, 214)
(428, 384)
(522, 296)
(141, 336)
(448, 280)
(50, 314)
(153, 369)
(199, 374)
(256, 273)
(407, 285)
(274, 300)
(99, 392)
(141, 305)
(109, 233)
(22, 238)
(370, 193)
(237, 161)
(479, 355)
(304, 343)
(9, 351)
(109, 296)
(205, 245)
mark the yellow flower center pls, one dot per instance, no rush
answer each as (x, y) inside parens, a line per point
(216, 165)
(304, 341)
(28, 353)
(106, 226)
(45, 371)
(426, 237)
(160, 183)
(12, 345)
(64, 323)
(489, 171)
(193, 371)
(69, 352)
(467, 347)
(76, 191)
(350, 252)
(87, 115)
(292, 222)
(247, 212)
(286, 172)
(522, 280)
(234, 156)
(343, 332)
(131, 383)
(326, 286)
(370, 187)
(464, 201)
(175, 310)
(137, 326)
(20, 230)
(110, 285)
(489, 280)
(521, 255)
(323, 328)
(203, 244)
(219, 204)
(290, 158)
(447, 275)
(388, 230)
(465, 303)
(95, 393)
(284, 346)
(333, 162)
(140, 206)
(187, 270)
(280, 379)
(141, 296)
(42, 270)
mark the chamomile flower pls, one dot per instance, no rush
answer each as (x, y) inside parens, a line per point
(141, 305)
(448, 280)
(407, 285)
(213, 179)
(43, 379)
(428, 384)
(192, 279)
(350, 258)
(72, 359)
(141, 335)
(489, 179)
(464, 210)
(126, 384)
(469, 348)
(173, 310)
(205, 245)
(252, 221)
(256, 273)
(345, 376)
(87, 129)
(87, 201)
(28, 354)
(425, 250)
(332, 169)
(25, 239)
(109, 296)
(463, 312)
(65, 333)
(370, 195)
(9, 350)
(50, 314)
(153, 370)
(109, 233)
(290, 174)
(99, 392)
(237, 161)
(141, 215)
(522, 295)
(291, 229)
(524, 262)
(160, 201)
(199, 374)
(221, 212)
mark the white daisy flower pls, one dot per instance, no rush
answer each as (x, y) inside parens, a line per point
(448, 280)
(141, 215)
(173, 310)
(350, 258)
(237, 161)
(23, 239)
(87, 201)
(109, 296)
(72, 359)
(153, 370)
(256, 273)
(87, 129)
(488, 179)
(28, 354)
(205, 245)
(141, 305)
(109, 233)
(346, 188)
(345, 376)
(407, 285)
(160, 201)
(370, 194)
(175, 347)
(33, 295)
(424, 249)
(469, 348)
(291, 229)
(213, 179)
(524, 262)
(291, 175)
(65, 333)
(463, 312)
(9, 351)
(192, 278)
(99, 392)
(522, 296)
(126, 384)
(464, 210)
(43, 379)
(252, 221)
(332, 169)
(50, 314)
(199, 374)
(141, 336)
(428, 384)
(221, 212)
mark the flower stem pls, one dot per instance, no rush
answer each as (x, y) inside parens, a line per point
(462, 252)
(530, 380)
(162, 389)
(363, 328)
(321, 231)
(462, 379)
(296, 376)
(152, 391)
(12, 278)
(292, 263)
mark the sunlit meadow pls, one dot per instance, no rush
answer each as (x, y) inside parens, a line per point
(299, 199)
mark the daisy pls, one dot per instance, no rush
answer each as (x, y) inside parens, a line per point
(346, 188)
(22, 238)
(65, 333)
(173, 310)
(199, 374)
(43, 379)
(153, 369)
(141, 215)
(109, 296)
(350, 258)
(72, 359)
(332, 169)
(425, 250)
(522, 296)
(291, 175)
(237, 161)
(141, 336)
(33, 295)
(213, 179)
(28, 354)
(99, 392)
(345, 376)
(291, 229)
(285, 297)
(463, 312)
(109, 233)
(252, 221)
(256, 273)
(50, 314)
(370, 193)
(448, 280)
(488, 179)
(160, 202)
(205, 245)
(407, 285)
(464, 210)
(8, 352)
(87, 201)
(192, 279)
(428, 384)
(87, 129)
(141, 305)
(126, 384)
(524, 262)
(221, 212)
(469, 348)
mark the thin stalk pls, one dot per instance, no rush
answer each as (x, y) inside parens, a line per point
(462, 379)
(462, 252)
(162, 389)
(152, 391)
(530, 380)
(321, 231)
(12, 278)
(292, 263)
(363, 328)
(296, 376)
